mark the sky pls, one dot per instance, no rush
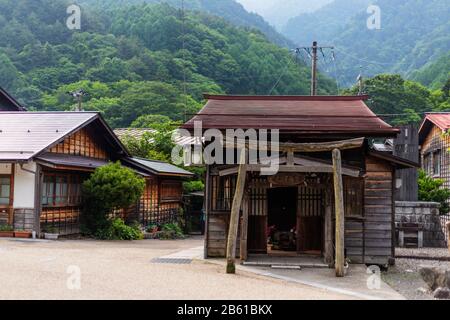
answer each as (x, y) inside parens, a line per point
(278, 12)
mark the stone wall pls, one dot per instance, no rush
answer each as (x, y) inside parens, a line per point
(426, 213)
(24, 219)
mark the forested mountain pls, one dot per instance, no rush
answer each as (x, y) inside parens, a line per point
(413, 33)
(278, 12)
(230, 10)
(434, 74)
(133, 60)
(325, 23)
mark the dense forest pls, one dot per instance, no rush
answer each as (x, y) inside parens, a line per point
(137, 60)
(230, 10)
(413, 33)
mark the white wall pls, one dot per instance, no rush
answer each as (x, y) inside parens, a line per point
(24, 185)
(5, 168)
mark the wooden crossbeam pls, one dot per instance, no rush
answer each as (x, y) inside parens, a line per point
(301, 147)
(295, 168)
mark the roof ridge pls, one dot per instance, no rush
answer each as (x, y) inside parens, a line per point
(284, 97)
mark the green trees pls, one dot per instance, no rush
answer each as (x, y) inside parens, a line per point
(431, 190)
(109, 187)
(138, 60)
(391, 94)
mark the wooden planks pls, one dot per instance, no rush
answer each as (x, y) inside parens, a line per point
(339, 213)
(378, 200)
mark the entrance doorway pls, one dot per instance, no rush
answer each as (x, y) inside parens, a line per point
(282, 220)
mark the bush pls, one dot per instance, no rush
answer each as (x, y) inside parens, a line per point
(111, 186)
(170, 231)
(118, 230)
(431, 190)
(6, 227)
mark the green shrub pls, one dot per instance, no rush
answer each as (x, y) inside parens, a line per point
(118, 230)
(6, 227)
(431, 190)
(171, 231)
(111, 186)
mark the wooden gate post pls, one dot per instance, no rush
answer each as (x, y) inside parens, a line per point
(328, 247)
(339, 209)
(244, 229)
(234, 215)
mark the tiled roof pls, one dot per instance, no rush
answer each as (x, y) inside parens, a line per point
(161, 167)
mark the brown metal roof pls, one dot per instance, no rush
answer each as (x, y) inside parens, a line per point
(439, 119)
(302, 114)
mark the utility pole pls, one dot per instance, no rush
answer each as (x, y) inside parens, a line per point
(312, 52)
(78, 95)
(360, 83)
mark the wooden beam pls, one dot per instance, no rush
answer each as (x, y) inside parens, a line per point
(303, 147)
(328, 226)
(234, 215)
(339, 210)
(284, 168)
(244, 229)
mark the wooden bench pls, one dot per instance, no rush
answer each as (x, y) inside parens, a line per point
(410, 234)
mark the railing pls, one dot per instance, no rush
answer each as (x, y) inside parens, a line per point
(444, 220)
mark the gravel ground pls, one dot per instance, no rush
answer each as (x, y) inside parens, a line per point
(405, 278)
(423, 252)
(123, 270)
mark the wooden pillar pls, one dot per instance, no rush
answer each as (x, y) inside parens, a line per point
(328, 247)
(244, 229)
(234, 215)
(339, 210)
(448, 234)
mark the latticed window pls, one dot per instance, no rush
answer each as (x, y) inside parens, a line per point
(223, 192)
(61, 190)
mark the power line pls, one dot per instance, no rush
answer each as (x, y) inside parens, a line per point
(282, 73)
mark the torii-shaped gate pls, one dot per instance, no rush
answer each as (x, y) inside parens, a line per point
(335, 148)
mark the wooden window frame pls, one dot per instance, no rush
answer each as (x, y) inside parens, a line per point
(9, 176)
(70, 197)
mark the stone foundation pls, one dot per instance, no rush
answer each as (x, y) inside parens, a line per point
(24, 219)
(426, 213)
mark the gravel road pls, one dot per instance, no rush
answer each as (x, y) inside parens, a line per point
(123, 270)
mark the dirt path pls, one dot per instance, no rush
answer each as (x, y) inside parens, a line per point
(123, 270)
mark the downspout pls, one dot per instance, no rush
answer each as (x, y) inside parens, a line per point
(37, 199)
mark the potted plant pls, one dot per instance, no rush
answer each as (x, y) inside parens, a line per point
(51, 233)
(6, 231)
(22, 234)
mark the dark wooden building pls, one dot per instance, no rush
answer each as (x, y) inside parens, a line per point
(8, 103)
(325, 162)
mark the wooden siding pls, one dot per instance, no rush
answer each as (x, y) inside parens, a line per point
(81, 143)
(378, 219)
(406, 145)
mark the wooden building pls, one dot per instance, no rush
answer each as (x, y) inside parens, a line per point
(434, 146)
(8, 103)
(46, 156)
(332, 190)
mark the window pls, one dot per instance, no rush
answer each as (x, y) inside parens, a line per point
(353, 196)
(61, 190)
(427, 163)
(5, 190)
(437, 163)
(223, 192)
